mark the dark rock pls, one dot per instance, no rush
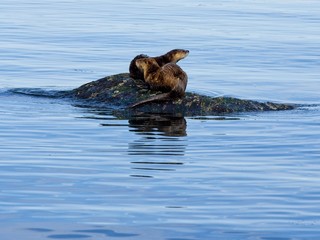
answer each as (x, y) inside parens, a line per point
(121, 91)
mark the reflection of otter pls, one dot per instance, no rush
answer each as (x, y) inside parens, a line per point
(172, 56)
(159, 135)
(167, 125)
(169, 78)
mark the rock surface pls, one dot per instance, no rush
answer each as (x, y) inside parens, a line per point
(122, 91)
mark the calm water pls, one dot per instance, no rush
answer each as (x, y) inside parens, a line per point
(69, 172)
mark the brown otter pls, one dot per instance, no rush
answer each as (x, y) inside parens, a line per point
(172, 56)
(169, 78)
(135, 73)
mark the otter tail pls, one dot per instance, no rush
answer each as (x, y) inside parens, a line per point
(156, 98)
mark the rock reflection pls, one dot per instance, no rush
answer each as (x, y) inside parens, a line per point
(160, 134)
(146, 124)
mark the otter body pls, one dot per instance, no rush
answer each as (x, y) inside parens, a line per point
(169, 78)
(172, 56)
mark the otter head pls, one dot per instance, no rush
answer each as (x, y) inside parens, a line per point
(176, 55)
(141, 63)
(135, 73)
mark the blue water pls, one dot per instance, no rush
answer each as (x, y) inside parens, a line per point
(70, 172)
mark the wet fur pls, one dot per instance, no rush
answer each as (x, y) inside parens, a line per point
(169, 78)
(134, 71)
(172, 56)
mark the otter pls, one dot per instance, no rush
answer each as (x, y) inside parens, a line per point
(172, 56)
(169, 78)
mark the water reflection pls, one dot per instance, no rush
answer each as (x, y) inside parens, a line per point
(151, 166)
(156, 148)
(102, 231)
(144, 123)
(152, 123)
(156, 136)
(160, 135)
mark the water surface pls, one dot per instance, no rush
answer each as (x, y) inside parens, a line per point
(71, 172)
